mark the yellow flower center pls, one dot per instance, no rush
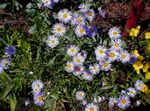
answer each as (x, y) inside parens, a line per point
(81, 30)
(116, 45)
(105, 64)
(101, 51)
(72, 50)
(68, 66)
(115, 33)
(89, 14)
(123, 101)
(65, 15)
(123, 56)
(58, 29)
(79, 20)
(80, 94)
(91, 109)
(78, 60)
(40, 98)
(111, 54)
(52, 41)
(46, 1)
(94, 68)
(87, 74)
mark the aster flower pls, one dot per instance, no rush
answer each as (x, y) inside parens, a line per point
(91, 107)
(138, 85)
(79, 60)
(123, 102)
(52, 41)
(102, 12)
(80, 95)
(4, 63)
(78, 69)
(112, 102)
(87, 76)
(91, 31)
(124, 56)
(69, 66)
(10, 50)
(90, 15)
(116, 44)
(131, 92)
(105, 65)
(37, 86)
(80, 31)
(94, 69)
(83, 7)
(48, 3)
(38, 99)
(112, 55)
(78, 20)
(58, 29)
(100, 53)
(72, 50)
(114, 33)
(64, 15)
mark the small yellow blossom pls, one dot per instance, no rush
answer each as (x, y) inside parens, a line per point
(145, 88)
(147, 35)
(137, 66)
(146, 67)
(136, 53)
(147, 75)
(134, 31)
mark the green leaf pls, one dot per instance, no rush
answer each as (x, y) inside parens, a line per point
(12, 101)
(50, 105)
(7, 90)
(2, 6)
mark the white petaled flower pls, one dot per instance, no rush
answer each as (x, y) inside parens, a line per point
(112, 102)
(47, 3)
(90, 15)
(58, 29)
(52, 41)
(124, 102)
(56, 1)
(87, 76)
(83, 7)
(131, 92)
(80, 31)
(72, 50)
(124, 56)
(91, 107)
(69, 66)
(139, 85)
(116, 44)
(112, 55)
(80, 95)
(37, 86)
(78, 69)
(100, 53)
(94, 69)
(79, 60)
(98, 99)
(105, 66)
(64, 15)
(114, 33)
(78, 20)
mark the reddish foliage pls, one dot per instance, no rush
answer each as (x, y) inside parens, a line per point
(134, 16)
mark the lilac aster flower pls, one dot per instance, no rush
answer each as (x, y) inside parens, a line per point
(38, 99)
(91, 31)
(102, 12)
(5, 63)
(133, 59)
(10, 50)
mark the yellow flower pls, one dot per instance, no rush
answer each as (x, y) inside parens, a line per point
(135, 52)
(134, 31)
(147, 35)
(147, 76)
(137, 66)
(146, 67)
(145, 88)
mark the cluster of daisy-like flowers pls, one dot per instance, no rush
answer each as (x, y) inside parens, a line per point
(5, 62)
(37, 87)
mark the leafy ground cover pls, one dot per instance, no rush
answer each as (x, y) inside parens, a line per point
(74, 55)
